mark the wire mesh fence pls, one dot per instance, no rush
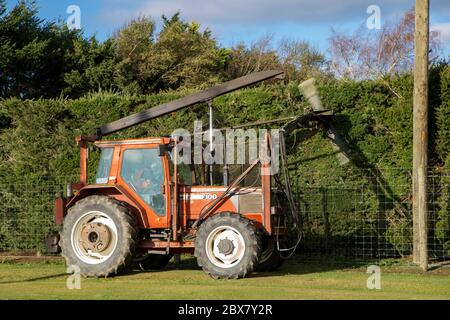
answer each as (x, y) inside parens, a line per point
(26, 213)
(368, 216)
(373, 217)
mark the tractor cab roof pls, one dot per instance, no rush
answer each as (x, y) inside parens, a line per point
(141, 141)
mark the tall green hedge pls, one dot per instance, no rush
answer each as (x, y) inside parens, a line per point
(367, 199)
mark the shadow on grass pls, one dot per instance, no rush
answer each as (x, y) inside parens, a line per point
(36, 278)
(438, 265)
(297, 264)
(302, 265)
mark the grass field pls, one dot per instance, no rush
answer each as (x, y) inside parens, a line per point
(297, 279)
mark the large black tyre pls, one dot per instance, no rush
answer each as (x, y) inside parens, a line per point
(270, 259)
(99, 236)
(153, 261)
(227, 246)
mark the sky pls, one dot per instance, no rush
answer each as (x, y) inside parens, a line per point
(235, 21)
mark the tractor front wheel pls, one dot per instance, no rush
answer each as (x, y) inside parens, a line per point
(227, 246)
(98, 236)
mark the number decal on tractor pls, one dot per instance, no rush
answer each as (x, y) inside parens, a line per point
(200, 196)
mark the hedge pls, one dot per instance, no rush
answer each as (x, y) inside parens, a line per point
(38, 155)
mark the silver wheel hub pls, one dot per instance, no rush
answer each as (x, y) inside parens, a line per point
(94, 237)
(225, 247)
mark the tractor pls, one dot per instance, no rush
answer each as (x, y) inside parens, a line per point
(145, 206)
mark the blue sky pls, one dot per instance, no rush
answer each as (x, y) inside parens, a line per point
(233, 21)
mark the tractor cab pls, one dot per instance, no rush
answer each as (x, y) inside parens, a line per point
(139, 167)
(139, 170)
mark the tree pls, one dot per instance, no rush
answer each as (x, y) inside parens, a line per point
(376, 54)
(301, 61)
(34, 54)
(132, 42)
(259, 56)
(298, 59)
(2, 7)
(179, 56)
(94, 68)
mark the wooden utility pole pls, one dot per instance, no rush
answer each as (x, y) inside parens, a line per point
(420, 135)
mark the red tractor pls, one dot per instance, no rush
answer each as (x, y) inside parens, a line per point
(140, 211)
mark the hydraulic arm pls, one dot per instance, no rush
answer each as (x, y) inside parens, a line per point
(199, 97)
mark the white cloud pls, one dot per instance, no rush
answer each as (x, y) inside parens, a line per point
(262, 12)
(250, 12)
(444, 32)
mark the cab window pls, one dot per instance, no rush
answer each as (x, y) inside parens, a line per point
(104, 166)
(142, 170)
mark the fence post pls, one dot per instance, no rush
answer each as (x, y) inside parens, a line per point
(420, 134)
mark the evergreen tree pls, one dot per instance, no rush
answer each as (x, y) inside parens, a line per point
(34, 54)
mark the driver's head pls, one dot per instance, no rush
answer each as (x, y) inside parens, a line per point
(141, 178)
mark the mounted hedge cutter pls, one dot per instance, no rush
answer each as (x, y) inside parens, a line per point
(145, 206)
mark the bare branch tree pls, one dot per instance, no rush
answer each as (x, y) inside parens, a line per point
(258, 56)
(298, 59)
(377, 53)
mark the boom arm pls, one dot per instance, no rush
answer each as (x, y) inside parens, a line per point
(199, 97)
(322, 116)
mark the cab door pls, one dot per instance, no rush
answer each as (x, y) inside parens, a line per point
(144, 173)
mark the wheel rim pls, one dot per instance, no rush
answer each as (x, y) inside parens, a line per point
(225, 247)
(94, 237)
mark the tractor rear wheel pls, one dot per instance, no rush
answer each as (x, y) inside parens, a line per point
(99, 236)
(270, 259)
(227, 246)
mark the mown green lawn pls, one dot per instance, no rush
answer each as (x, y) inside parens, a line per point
(297, 279)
